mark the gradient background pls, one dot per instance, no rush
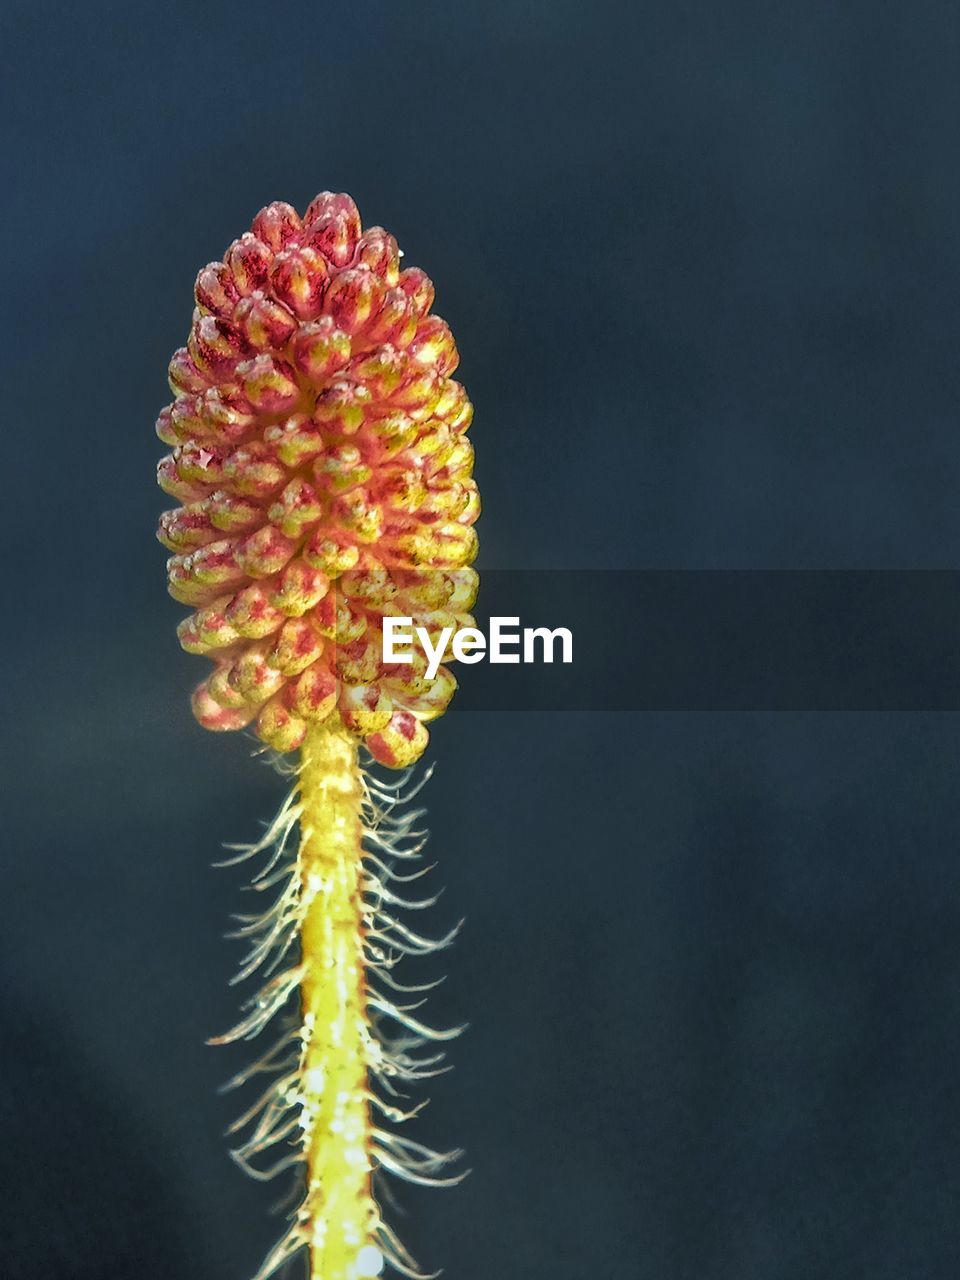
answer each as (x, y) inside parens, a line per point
(702, 261)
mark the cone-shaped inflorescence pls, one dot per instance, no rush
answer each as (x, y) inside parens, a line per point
(325, 479)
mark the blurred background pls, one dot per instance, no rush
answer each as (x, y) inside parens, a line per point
(702, 262)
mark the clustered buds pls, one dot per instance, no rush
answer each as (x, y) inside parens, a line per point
(320, 457)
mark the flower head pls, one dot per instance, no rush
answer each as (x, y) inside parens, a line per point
(319, 455)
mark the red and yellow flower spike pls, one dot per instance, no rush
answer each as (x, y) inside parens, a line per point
(320, 459)
(325, 479)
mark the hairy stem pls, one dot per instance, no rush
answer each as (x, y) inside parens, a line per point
(337, 903)
(339, 1211)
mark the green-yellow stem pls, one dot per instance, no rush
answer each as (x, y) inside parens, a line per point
(339, 1211)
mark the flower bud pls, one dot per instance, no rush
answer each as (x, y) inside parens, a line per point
(188, 527)
(253, 470)
(401, 742)
(340, 468)
(172, 483)
(252, 613)
(332, 226)
(378, 252)
(320, 349)
(381, 370)
(434, 346)
(277, 225)
(215, 346)
(184, 376)
(279, 727)
(249, 261)
(296, 508)
(353, 297)
(252, 676)
(264, 322)
(300, 588)
(342, 408)
(265, 552)
(298, 279)
(313, 694)
(269, 384)
(418, 287)
(359, 662)
(395, 322)
(330, 551)
(296, 645)
(212, 715)
(216, 291)
(365, 708)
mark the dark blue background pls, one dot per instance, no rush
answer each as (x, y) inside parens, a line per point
(702, 261)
